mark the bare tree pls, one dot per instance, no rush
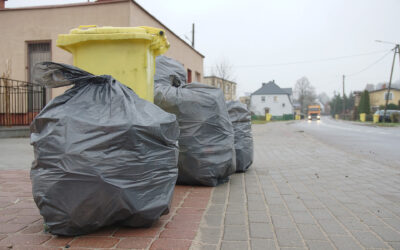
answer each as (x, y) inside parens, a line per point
(223, 70)
(323, 98)
(304, 93)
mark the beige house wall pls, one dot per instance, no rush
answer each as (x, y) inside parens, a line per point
(377, 98)
(228, 87)
(20, 26)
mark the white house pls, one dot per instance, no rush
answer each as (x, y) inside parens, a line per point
(270, 98)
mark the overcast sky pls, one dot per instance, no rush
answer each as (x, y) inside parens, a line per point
(286, 39)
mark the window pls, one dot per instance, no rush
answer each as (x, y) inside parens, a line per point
(390, 96)
(275, 98)
(189, 75)
(226, 89)
(262, 98)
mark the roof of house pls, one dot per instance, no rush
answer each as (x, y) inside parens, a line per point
(384, 89)
(216, 77)
(102, 2)
(287, 90)
(271, 88)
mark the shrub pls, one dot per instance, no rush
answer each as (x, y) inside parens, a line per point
(395, 117)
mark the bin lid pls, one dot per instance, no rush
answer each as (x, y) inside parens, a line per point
(87, 33)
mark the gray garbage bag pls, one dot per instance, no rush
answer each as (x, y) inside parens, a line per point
(102, 154)
(241, 119)
(206, 141)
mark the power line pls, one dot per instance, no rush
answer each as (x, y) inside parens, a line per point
(372, 64)
(308, 61)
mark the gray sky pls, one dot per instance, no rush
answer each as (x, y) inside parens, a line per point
(263, 39)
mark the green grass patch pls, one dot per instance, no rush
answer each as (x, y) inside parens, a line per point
(387, 124)
(258, 121)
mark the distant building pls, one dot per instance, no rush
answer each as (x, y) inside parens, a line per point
(378, 97)
(297, 108)
(270, 98)
(245, 100)
(357, 97)
(228, 87)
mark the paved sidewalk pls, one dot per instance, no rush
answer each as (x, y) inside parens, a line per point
(299, 194)
(303, 194)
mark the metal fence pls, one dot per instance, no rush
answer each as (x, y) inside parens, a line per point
(20, 102)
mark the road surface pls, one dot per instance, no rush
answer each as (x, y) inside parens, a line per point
(381, 144)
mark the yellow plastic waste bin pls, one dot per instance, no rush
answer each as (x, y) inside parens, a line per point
(337, 117)
(268, 117)
(297, 117)
(376, 118)
(362, 117)
(126, 53)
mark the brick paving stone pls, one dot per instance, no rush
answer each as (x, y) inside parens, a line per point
(395, 245)
(321, 213)
(30, 247)
(283, 222)
(345, 242)
(386, 233)
(256, 205)
(261, 230)
(216, 209)
(289, 238)
(59, 241)
(262, 244)
(182, 224)
(234, 245)
(235, 219)
(303, 217)
(170, 244)
(394, 222)
(332, 227)
(369, 240)
(353, 223)
(24, 240)
(370, 219)
(175, 233)
(311, 232)
(137, 232)
(202, 246)
(319, 245)
(134, 243)
(235, 233)
(94, 242)
(212, 220)
(258, 216)
(208, 235)
(11, 228)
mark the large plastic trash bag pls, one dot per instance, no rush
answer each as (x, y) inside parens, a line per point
(241, 119)
(102, 154)
(206, 141)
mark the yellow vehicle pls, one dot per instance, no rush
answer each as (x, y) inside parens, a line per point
(314, 112)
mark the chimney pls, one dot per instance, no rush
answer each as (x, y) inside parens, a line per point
(2, 4)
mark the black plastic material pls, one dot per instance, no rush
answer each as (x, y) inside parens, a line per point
(102, 154)
(241, 119)
(206, 141)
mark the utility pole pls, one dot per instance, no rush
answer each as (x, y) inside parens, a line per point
(344, 101)
(193, 35)
(396, 50)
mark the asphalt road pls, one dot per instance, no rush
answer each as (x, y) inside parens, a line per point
(380, 144)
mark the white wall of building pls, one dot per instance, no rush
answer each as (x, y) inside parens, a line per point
(278, 104)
